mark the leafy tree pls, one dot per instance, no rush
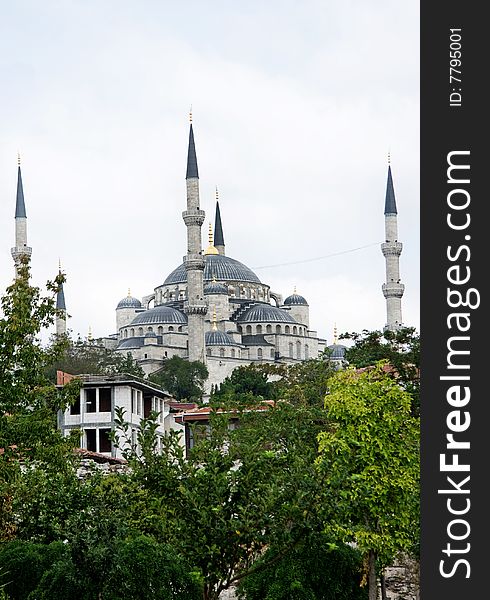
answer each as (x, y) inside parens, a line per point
(183, 379)
(400, 348)
(371, 455)
(313, 570)
(88, 357)
(251, 382)
(238, 491)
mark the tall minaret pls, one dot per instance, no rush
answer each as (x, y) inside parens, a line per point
(195, 307)
(21, 248)
(60, 310)
(392, 248)
(219, 240)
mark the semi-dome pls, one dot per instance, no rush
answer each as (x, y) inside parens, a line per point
(295, 300)
(219, 338)
(219, 267)
(215, 288)
(265, 313)
(129, 302)
(160, 314)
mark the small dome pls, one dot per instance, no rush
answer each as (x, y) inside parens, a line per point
(264, 313)
(215, 288)
(219, 338)
(150, 334)
(295, 300)
(337, 351)
(129, 302)
(160, 314)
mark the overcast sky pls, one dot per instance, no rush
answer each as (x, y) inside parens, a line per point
(295, 107)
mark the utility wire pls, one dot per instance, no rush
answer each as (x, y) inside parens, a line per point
(306, 260)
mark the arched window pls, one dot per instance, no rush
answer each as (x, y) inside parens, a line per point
(208, 351)
(239, 329)
(307, 352)
(170, 328)
(249, 329)
(140, 330)
(180, 329)
(131, 332)
(268, 328)
(273, 354)
(278, 329)
(258, 329)
(233, 353)
(286, 329)
(290, 350)
(259, 353)
(298, 349)
(160, 330)
(295, 330)
(150, 329)
(221, 351)
(125, 333)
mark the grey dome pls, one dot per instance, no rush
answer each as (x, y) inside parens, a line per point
(215, 288)
(219, 338)
(150, 334)
(129, 302)
(337, 351)
(218, 266)
(160, 314)
(265, 313)
(295, 300)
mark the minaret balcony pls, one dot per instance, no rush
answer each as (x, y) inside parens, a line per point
(195, 216)
(195, 307)
(194, 262)
(393, 290)
(19, 251)
(391, 248)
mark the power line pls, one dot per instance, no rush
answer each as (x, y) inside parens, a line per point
(306, 260)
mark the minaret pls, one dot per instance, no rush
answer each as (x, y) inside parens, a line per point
(21, 248)
(195, 307)
(219, 240)
(391, 249)
(60, 310)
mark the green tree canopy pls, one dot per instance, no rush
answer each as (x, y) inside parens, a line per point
(371, 455)
(183, 379)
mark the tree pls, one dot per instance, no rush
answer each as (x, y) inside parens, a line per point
(371, 455)
(88, 357)
(182, 379)
(400, 348)
(239, 490)
(249, 382)
(314, 570)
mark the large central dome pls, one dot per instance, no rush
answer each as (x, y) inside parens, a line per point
(219, 267)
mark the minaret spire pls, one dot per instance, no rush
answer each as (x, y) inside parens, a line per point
(21, 249)
(391, 249)
(60, 309)
(195, 307)
(219, 239)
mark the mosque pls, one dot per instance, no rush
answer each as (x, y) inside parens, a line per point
(215, 309)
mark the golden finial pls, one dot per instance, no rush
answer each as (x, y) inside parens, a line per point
(129, 292)
(217, 195)
(211, 249)
(335, 338)
(214, 325)
(18, 159)
(190, 114)
(294, 290)
(89, 336)
(389, 157)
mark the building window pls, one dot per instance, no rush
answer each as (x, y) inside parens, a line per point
(170, 328)
(286, 329)
(258, 329)
(140, 331)
(91, 400)
(278, 329)
(222, 352)
(160, 330)
(104, 440)
(259, 353)
(268, 329)
(233, 353)
(131, 332)
(150, 329)
(91, 438)
(272, 353)
(133, 401)
(307, 352)
(125, 333)
(290, 350)
(298, 349)
(105, 397)
(75, 407)
(295, 330)
(180, 329)
(208, 351)
(249, 329)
